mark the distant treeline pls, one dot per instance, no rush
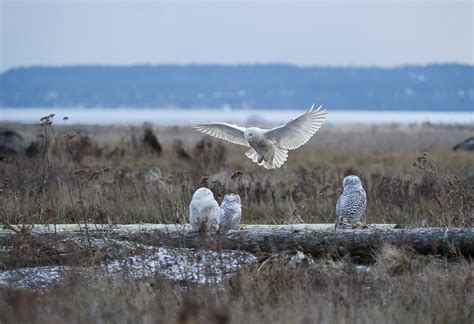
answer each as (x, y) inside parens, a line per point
(433, 87)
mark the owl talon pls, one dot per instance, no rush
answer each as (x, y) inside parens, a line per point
(360, 225)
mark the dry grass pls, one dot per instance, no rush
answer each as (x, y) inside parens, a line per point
(112, 175)
(326, 291)
(99, 174)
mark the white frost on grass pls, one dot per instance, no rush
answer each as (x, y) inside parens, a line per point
(199, 266)
(179, 264)
(40, 277)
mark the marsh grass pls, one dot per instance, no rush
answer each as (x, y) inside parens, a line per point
(326, 290)
(113, 175)
(98, 174)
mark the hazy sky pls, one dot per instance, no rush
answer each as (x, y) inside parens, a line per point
(382, 33)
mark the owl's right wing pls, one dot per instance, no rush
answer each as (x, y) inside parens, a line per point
(339, 206)
(225, 131)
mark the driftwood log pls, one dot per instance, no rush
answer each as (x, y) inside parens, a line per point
(317, 239)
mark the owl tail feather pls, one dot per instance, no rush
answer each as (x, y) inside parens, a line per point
(252, 155)
(274, 158)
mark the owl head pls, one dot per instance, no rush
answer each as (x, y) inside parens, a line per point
(232, 198)
(352, 181)
(203, 193)
(253, 133)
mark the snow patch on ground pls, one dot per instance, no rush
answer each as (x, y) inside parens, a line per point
(179, 264)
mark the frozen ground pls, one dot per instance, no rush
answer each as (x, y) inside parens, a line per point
(140, 261)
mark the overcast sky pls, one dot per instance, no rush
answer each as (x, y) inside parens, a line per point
(367, 33)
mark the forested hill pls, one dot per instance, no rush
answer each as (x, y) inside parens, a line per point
(432, 87)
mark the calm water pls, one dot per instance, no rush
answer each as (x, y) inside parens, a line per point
(183, 117)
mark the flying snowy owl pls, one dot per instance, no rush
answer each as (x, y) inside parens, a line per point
(351, 204)
(231, 212)
(269, 147)
(204, 211)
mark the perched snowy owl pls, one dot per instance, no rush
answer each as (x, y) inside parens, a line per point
(204, 211)
(351, 204)
(231, 212)
(269, 147)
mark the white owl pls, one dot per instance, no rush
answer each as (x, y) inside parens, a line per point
(204, 211)
(231, 212)
(269, 147)
(351, 204)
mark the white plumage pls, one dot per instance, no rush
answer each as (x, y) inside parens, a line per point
(269, 147)
(204, 211)
(231, 212)
(351, 204)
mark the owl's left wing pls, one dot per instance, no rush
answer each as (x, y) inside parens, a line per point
(299, 130)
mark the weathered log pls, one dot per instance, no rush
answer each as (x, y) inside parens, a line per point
(317, 239)
(359, 242)
(141, 227)
(136, 230)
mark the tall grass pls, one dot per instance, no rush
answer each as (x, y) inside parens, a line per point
(99, 174)
(112, 175)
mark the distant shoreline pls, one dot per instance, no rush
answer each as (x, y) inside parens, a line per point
(229, 108)
(132, 116)
(419, 87)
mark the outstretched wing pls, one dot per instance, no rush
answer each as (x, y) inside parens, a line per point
(298, 131)
(228, 132)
